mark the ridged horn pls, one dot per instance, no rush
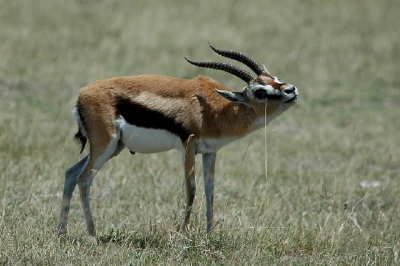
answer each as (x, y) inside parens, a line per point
(234, 70)
(253, 65)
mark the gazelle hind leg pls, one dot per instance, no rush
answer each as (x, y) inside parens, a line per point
(190, 181)
(71, 174)
(99, 155)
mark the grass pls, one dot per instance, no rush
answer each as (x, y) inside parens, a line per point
(312, 209)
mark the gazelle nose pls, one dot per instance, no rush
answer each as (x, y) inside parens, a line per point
(290, 90)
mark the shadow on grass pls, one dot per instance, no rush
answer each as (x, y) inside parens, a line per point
(134, 239)
(170, 244)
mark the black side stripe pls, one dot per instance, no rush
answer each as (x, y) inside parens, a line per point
(138, 115)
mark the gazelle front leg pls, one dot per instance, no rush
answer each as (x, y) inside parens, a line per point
(190, 180)
(208, 171)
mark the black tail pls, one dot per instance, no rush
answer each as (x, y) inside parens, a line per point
(81, 134)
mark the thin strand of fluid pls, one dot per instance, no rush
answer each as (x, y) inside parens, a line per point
(265, 142)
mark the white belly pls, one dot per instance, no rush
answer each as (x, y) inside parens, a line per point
(151, 140)
(148, 140)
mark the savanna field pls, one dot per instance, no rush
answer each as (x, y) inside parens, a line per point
(319, 186)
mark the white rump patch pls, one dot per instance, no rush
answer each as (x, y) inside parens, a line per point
(79, 120)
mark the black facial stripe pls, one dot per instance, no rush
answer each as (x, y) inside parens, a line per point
(262, 93)
(274, 97)
(138, 115)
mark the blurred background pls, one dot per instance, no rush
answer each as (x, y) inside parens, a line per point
(332, 161)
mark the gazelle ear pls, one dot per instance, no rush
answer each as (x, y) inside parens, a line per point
(237, 97)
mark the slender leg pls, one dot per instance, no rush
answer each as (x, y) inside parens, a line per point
(71, 175)
(208, 170)
(84, 182)
(190, 181)
(99, 156)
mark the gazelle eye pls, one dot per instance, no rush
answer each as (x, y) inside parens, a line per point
(260, 94)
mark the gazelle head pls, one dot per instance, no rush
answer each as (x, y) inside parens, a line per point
(260, 90)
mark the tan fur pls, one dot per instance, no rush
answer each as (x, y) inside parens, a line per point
(211, 120)
(193, 102)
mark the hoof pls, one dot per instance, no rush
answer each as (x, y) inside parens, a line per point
(62, 231)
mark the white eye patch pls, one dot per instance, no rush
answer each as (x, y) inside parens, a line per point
(268, 88)
(277, 80)
(267, 91)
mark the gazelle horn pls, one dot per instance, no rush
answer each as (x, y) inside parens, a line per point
(234, 70)
(253, 65)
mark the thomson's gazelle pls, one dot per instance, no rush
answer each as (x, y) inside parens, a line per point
(153, 113)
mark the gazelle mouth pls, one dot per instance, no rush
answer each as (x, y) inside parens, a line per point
(293, 100)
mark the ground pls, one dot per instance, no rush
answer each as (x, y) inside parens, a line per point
(318, 186)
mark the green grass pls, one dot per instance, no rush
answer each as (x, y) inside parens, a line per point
(310, 209)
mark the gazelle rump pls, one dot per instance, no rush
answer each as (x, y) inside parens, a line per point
(153, 113)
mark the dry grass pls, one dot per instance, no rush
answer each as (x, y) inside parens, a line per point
(314, 207)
